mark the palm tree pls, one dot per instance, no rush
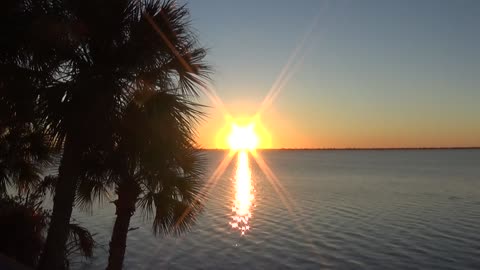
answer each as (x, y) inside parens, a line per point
(26, 63)
(35, 53)
(83, 60)
(112, 49)
(28, 60)
(157, 169)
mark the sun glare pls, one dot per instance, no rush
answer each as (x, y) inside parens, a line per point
(243, 137)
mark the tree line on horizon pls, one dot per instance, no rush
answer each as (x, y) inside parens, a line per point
(103, 92)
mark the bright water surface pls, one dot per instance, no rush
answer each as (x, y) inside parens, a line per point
(344, 210)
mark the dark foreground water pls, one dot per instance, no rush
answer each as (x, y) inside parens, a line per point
(343, 210)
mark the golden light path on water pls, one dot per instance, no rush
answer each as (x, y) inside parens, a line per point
(244, 194)
(244, 146)
(244, 198)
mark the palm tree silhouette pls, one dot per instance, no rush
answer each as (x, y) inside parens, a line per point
(27, 62)
(157, 169)
(83, 62)
(119, 48)
(25, 65)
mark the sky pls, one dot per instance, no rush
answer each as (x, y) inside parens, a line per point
(356, 74)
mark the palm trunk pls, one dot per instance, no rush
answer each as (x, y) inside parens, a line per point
(53, 256)
(128, 193)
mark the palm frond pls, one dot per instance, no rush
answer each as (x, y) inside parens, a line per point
(163, 50)
(173, 216)
(47, 185)
(80, 241)
(91, 189)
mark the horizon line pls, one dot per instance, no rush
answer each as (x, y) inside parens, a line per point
(361, 148)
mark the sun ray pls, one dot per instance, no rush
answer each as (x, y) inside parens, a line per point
(210, 183)
(212, 95)
(204, 86)
(293, 209)
(281, 192)
(293, 63)
(244, 141)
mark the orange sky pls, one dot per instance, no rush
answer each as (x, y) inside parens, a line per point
(347, 74)
(283, 130)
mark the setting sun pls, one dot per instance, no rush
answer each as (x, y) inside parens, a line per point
(243, 137)
(243, 133)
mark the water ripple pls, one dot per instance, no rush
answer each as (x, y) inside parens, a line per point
(354, 210)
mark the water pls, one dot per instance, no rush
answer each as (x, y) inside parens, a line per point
(343, 210)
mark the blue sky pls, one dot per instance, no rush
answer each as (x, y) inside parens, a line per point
(369, 74)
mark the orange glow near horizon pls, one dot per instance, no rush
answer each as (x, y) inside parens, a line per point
(243, 136)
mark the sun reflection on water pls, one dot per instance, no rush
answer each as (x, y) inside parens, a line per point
(243, 203)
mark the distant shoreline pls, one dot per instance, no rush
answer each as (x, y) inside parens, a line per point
(356, 149)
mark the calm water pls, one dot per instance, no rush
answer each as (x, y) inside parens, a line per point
(343, 210)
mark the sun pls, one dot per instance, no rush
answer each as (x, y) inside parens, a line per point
(243, 133)
(243, 137)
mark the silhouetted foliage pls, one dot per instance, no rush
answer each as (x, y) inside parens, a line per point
(24, 147)
(24, 152)
(23, 224)
(74, 76)
(157, 169)
(21, 230)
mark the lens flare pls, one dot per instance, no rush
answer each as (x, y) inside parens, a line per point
(244, 198)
